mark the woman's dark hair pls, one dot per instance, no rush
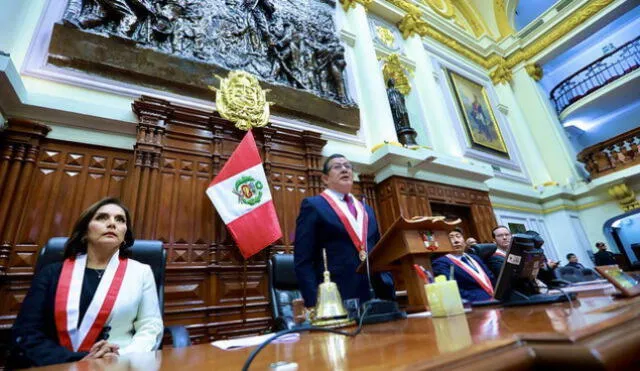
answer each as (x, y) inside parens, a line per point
(77, 243)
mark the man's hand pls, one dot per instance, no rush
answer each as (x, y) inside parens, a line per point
(103, 349)
(552, 264)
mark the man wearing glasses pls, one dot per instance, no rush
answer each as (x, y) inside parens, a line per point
(336, 221)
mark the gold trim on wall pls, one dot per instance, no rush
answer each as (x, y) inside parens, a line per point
(348, 4)
(502, 20)
(534, 70)
(492, 60)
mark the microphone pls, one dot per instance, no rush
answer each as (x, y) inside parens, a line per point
(377, 310)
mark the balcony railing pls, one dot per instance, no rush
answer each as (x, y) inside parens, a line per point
(615, 154)
(599, 73)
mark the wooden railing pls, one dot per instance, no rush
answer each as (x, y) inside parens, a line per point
(615, 154)
(597, 74)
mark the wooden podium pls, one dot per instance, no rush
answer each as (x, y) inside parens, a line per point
(408, 242)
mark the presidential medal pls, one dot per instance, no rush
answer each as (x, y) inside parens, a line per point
(363, 255)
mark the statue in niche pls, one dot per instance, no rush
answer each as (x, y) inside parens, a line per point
(406, 134)
(287, 42)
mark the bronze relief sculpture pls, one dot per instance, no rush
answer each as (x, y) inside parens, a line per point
(287, 42)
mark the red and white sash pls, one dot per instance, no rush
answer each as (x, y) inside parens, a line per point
(480, 276)
(357, 228)
(500, 253)
(67, 303)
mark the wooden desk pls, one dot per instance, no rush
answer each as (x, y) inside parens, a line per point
(597, 332)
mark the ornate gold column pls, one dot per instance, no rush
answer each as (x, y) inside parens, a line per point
(20, 143)
(625, 196)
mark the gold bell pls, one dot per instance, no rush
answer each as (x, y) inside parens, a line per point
(329, 311)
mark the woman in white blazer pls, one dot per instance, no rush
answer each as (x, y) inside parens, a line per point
(98, 303)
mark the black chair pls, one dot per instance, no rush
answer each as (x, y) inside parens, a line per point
(283, 289)
(148, 252)
(590, 275)
(483, 250)
(570, 274)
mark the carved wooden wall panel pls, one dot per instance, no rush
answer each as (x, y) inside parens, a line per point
(57, 180)
(408, 197)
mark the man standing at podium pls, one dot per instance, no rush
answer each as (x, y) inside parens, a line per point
(475, 280)
(336, 221)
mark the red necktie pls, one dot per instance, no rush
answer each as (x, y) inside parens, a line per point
(351, 206)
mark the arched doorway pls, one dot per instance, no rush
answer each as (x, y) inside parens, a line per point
(623, 231)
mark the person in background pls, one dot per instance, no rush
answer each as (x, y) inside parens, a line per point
(475, 280)
(502, 239)
(604, 257)
(573, 261)
(96, 304)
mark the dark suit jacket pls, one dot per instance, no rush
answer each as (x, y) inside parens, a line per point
(494, 263)
(34, 335)
(319, 227)
(469, 288)
(575, 265)
(604, 258)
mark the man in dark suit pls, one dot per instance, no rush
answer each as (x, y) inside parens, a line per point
(573, 261)
(604, 257)
(502, 239)
(336, 221)
(475, 280)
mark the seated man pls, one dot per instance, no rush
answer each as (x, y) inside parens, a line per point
(573, 261)
(475, 281)
(502, 239)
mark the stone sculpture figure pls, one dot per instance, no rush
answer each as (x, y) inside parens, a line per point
(282, 41)
(406, 134)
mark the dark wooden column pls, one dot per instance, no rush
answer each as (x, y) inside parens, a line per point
(20, 143)
(143, 181)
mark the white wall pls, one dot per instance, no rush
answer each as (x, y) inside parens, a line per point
(569, 235)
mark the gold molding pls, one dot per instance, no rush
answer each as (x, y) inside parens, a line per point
(348, 4)
(435, 5)
(576, 19)
(534, 70)
(625, 196)
(470, 14)
(502, 74)
(393, 69)
(412, 25)
(502, 20)
(406, 6)
(385, 35)
(415, 25)
(549, 210)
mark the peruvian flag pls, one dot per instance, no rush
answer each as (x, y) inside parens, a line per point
(240, 193)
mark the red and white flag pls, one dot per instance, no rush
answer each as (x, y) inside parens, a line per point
(240, 193)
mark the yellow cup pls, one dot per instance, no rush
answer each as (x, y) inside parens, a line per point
(444, 297)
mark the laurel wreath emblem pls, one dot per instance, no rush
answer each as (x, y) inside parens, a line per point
(248, 190)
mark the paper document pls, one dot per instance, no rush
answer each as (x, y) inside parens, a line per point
(252, 341)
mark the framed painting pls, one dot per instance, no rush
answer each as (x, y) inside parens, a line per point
(477, 115)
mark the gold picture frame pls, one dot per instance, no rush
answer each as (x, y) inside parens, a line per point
(477, 115)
